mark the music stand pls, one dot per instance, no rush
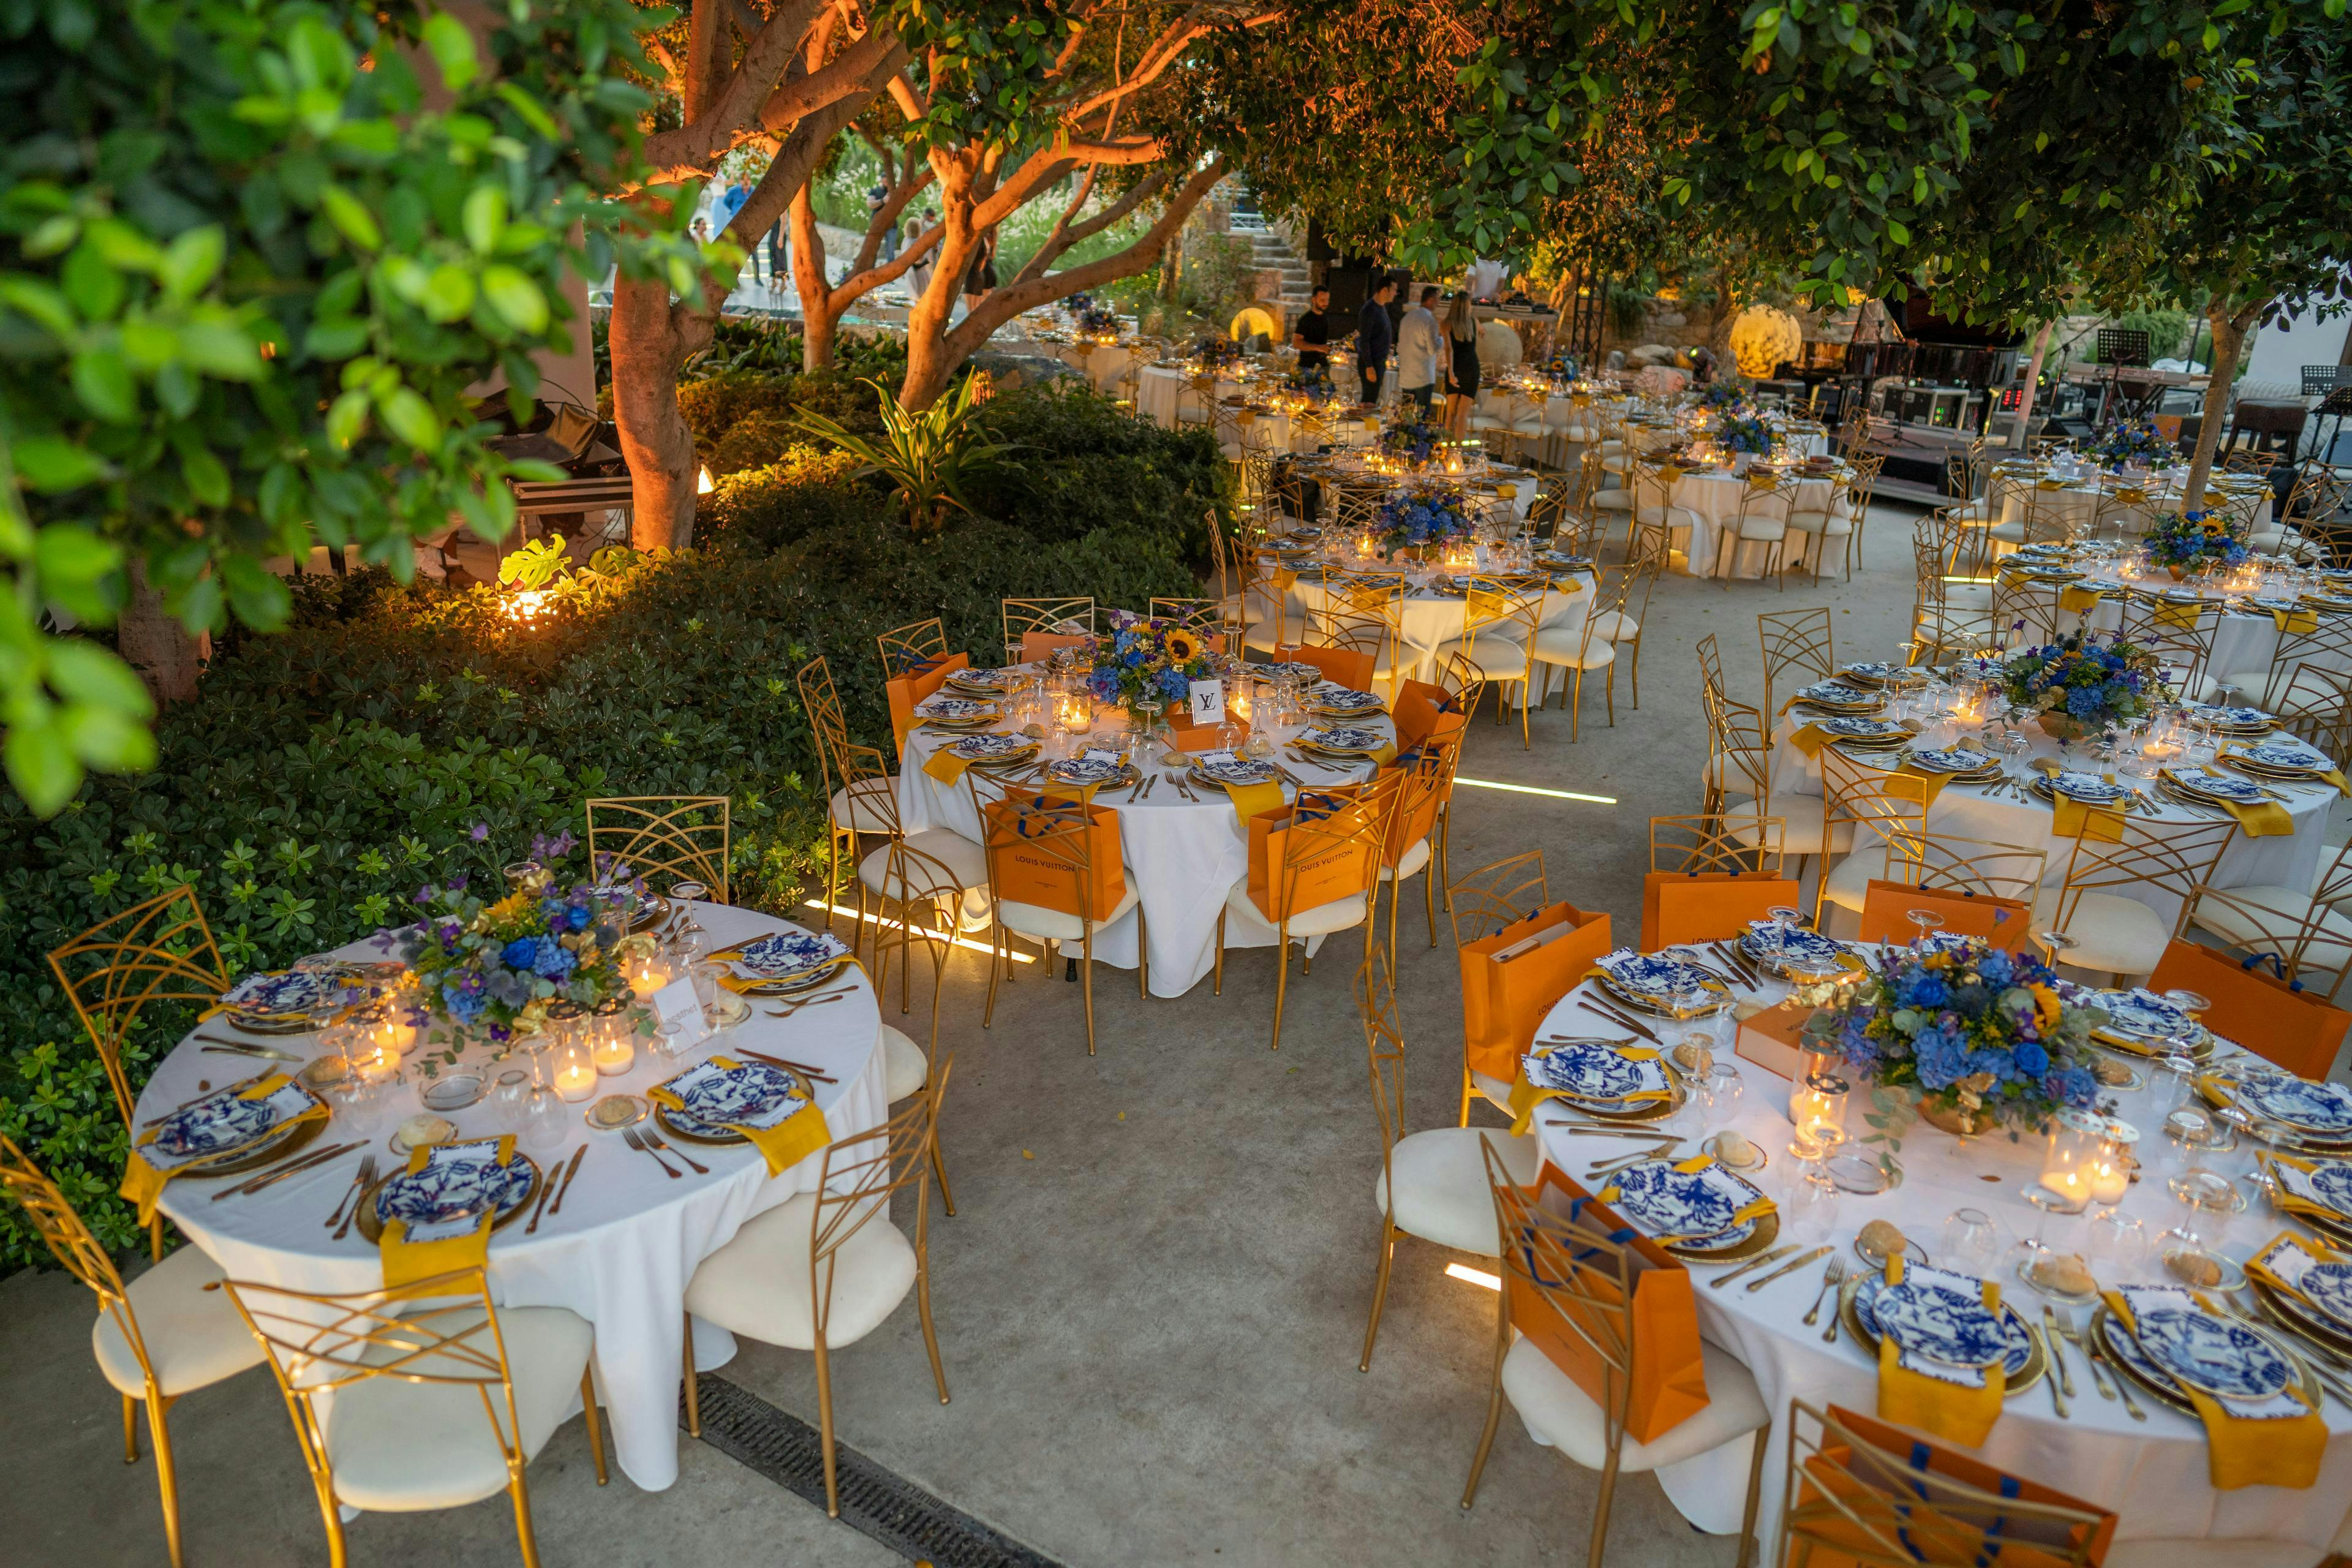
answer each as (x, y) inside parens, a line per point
(2119, 349)
(2334, 390)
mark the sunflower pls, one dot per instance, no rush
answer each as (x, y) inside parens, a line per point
(1184, 647)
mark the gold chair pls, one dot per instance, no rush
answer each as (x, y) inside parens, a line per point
(158, 951)
(2308, 929)
(1575, 1285)
(2156, 627)
(412, 1399)
(1052, 616)
(877, 870)
(1207, 617)
(1851, 1496)
(2326, 644)
(1411, 843)
(1798, 642)
(1333, 846)
(911, 647)
(683, 837)
(1433, 1183)
(868, 806)
(1652, 551)
(1043, 837)
(1865, 805)
(2114, 931)
(1480, 904)
(2316, 706)
(825, 1269)
(1266, 611)
(1739, 751)
(159, 1337)
(1499, 624)
(1767, 516)
(1365, 615)
(1578, 650)
(1951, 863)
(929, 913)
(1742, 842)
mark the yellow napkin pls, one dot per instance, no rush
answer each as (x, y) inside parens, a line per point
(405, 1262)
(2332, 775)
(2296, 620)
(2248, 1451)
(1526, 1096)
(2077, 598)
(783, 1146)
(1284, 578)
(2261, 1270)
(2071, 818)
(143, 1184)
(2258, 819)
(1809, 739)
(2176, 612)
(2292, 1202)
(1753, 1208)
(1923, 786)
(1951, 1411)
(1254, 800)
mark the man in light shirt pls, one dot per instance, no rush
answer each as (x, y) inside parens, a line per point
(1419, 340)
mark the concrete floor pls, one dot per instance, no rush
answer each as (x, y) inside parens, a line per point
(1152, 1303)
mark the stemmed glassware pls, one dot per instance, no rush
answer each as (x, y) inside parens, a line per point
(1927, 921)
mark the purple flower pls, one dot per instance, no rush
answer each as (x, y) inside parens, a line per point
(481, 833)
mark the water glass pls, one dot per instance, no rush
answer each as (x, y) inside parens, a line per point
(545, 1121)
(1971, 1242)
(2115, 1246)
(510, 1100)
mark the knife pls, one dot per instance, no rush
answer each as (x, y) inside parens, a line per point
(217, 1042)
(1621, 1020)
(570, 1171)
(1759, 1261)
(1815, 1255)
(2052, 1335)
(269, 1178)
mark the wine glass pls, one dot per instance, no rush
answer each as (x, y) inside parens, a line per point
(1776, 936)
(510, 1100)
(2057, 944)
(1971, 1242)
(1927, 922)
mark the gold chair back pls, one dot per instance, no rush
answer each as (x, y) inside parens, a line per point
(2306, 940)
(2326, 644)
(911, 647)
(158, 951)
(1498, 894)
(1949, 862)
(1023, 617)
(1461, 681)
(71, 1241)
(1747, 842)
(682, 837)
(2315, 705)
(1209, 618)
(2176, 857)
(1797, 642)
(931, 900)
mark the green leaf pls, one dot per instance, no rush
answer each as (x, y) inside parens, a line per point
(448, 292)
(191, 260)
(107, 739)
(66, 555)
(347, 417)
(484, 216)
(41, 765)
(351, 217)
(52, 463)
(515, 297)
(207, 477)
(101, 378)
(84, 671)
(411, 418)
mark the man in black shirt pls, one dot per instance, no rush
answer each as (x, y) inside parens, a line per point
(1311, 335)
(1373, 339)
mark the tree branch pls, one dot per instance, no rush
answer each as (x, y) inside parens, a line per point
(714, 124)
(1064, 239)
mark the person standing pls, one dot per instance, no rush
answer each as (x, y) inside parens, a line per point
(1462, 342)
(1311, 333)
(1419, 342)
(730, 202)
(919, 276)
(1372, 341)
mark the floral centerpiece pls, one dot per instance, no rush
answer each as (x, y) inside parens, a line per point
(1723, 397)
(1744, 434)
(1421, 517)
(2194, 541)
(1315, 382)
(2134, 444)
(1983, 1037)
(496, 966)
(1147, 663)
(2077, 684)
(1098, 321)
(1214, 350)
(1412, 439)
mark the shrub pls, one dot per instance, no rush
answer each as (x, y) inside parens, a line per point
(803, 492)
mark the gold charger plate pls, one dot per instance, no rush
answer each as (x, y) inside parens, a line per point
(1767, 1231)
(2297, 1319)
(2037, 1359)
(2169, 1392)
(278, 1140)
(806, 1091)
(794, 984)
(370, 1224)
(1651, 1007)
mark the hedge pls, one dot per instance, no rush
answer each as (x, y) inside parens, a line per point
(323, 773)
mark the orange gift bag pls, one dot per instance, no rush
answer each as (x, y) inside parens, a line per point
(2276, 1019)
(1423, 710)
(1886, 908)
(913, 687)
(1341, 665)
(1029, 862)
(1706, 906)
(1037, 647)
(1336, 867)
(1223, 735)
(1669, 1379)
(1510, 979)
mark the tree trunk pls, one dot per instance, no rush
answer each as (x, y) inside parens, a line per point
(2016, 437)
(156, 645)
(809, 283)
(2229, 332)
(649, 348)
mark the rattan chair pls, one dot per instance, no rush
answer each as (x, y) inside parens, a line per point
(680, 837)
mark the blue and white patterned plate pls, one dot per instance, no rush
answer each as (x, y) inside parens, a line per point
(1559, 562)
(2017, 1344)
(1235, 771)
(2232, 718)
(1344, 739)
(1801, 952)
(2141, 1015)
(1874, 672)
(953, 708)
(1086, 770)
(2299, 1102)
(1862, 729)
(983, 748)
(1594, 1071)
(720, 1101)
(280, 994)
(1837, 694)
(1930, 1319)
(1664, 1201)
(2328, 1288)
(458, 1180)
(1960, 760)
(2275, 602)
(2328, 1181)
(788, 952)
(222, 1124)
(1291, 670)
(2286, 756)
(2211, 1354)
(2237, 792)
(983, 679)
(1340, 699)
(2085, 788)
(1653, 981)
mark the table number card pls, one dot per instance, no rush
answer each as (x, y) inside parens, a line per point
(677, 1003)
(1208, 701)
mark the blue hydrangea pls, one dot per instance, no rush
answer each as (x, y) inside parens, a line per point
(1996, 968)
(554, 961)
(1940, 1060)
(1175, 684)
(2073, 1086)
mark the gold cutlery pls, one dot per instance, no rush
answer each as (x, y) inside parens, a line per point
(787, 1011)
(1831, 1278)
(2057, 1395)
(360, 1180)
(629, 1136)
(1806, 1261)
(656, 1141)
(1623, 1022)
(2092, 1351)
(2051, 1334)
(367, 1179)
(2098, 1372)
(570, 1169)
(800, 1068)
(203, 1091)
(1720, 1281)
(1582, 1130)
(1606, 1167)
(292, 1167)
(219, 1042)
(539, 1204)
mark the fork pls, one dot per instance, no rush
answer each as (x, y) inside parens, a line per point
(630, 1136)
(655, 1142)
(359, 1185)
(1831, 1277)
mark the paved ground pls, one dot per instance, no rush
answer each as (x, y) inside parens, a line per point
(1152, 1303)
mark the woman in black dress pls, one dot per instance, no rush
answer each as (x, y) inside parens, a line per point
(1462, 339)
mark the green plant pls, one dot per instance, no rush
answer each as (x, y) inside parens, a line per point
(535, 564)
(932, 454)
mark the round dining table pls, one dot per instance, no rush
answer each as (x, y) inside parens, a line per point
(2246, 635)
(1434, 616)
(2151, 1472)
(1182, 853)
(620, 1250)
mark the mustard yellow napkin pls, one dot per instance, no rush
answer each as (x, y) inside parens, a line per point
(1284, 578)
(1960, 1413)
(783, 1145)
(1254, 800)
(2292, 1175)
(2071, 818)
(2245, 1450)
(2261, 1268)
(1753, 1208)
(750, 984)
(405, 1262)
(1526, 1096)
(2176, 612)
(143, 1181)
(2296, 620)
(1809, 739)
(1909, 782)
(2079, 598)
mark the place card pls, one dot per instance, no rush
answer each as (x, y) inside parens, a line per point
(676, 1003)
(1208, 701)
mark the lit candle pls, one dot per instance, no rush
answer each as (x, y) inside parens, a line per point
(379, 1063)
(575, 1079)
(649, 976)
(2108, 1180)
(2069, 1184)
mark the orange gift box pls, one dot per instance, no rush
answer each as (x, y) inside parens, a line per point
(1770, 1039)
(1706, 906)
(1504, 1000)
(2275, 1019)
(1886, 906)
(1333, 869)
(906, 690)
(1044, 873)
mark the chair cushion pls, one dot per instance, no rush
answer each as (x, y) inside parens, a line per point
(1056, 925)
(960, 855)
(1409, 864)
(398, 1447)
(905, 1068)
(195, 1337)
(1494, 658)
(1616, 625)
(1763, 528)
(1968, 596)
(2115, 935)
(853, 806)
(1441, 1184)
(1849, 880)
(759, 1283)
(1497, 1092)
(1833, 524)
(1800, 830)
(2331, 951)
(1613, 501)
(1340, 914)
(1671, 517)
(1569, 647)
(1562, 1416)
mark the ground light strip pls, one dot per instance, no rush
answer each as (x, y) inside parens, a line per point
(1478, 1277)
(1018, 957)
(1530, 789)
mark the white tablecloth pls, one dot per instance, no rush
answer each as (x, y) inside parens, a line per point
(1715, 499)
(1432, 620)
(1182, 857)
(628, 1239)
(1967, 811)
(2153, 1474)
